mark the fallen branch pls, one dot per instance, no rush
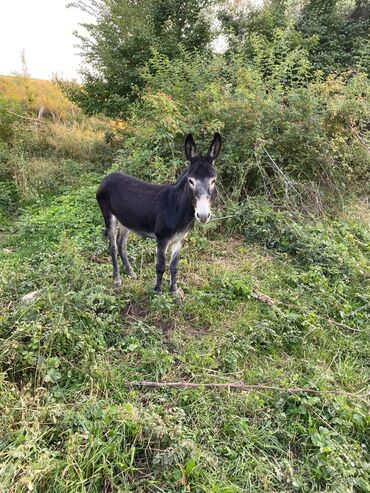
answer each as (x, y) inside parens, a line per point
(244, 387)
(28, 118)
(341, 324)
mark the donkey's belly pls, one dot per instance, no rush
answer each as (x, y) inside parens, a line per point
(144, 234)
(139, 231)
(143, 225)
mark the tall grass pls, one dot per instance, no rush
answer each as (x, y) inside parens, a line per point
(40, 156)
(38, 97)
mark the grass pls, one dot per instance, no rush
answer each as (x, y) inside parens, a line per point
(69, 421)
(43, 157)
(36, 94)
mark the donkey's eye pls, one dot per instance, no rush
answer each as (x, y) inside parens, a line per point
(191, 182)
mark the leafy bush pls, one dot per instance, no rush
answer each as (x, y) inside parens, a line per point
(121, 48)
(301, 143)
(308, 243)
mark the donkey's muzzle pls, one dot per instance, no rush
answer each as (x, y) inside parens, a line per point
(203, 218)
(203, 209)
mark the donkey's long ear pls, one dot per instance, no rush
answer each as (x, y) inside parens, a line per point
(190, 147)
(215, 147)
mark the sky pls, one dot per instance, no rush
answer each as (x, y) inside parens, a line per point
(44, 30)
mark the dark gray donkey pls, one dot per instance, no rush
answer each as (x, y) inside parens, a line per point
(163, 212)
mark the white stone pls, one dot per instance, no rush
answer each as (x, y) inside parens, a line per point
(29, 297)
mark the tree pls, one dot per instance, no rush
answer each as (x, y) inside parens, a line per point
(119, 42)
(342, 29)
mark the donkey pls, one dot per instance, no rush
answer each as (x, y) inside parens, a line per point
(165, 213)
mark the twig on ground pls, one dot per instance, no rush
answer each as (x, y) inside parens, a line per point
(264, 297)
(341, 324)
(244, 388)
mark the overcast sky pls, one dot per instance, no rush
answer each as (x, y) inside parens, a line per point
(43, 28)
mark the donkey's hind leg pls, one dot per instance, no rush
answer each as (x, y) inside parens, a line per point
(123, 233)
(111, 233)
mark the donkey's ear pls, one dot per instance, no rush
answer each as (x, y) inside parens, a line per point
(215, 147)
(190, 147)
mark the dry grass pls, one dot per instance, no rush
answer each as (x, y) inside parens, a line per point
(37, 94)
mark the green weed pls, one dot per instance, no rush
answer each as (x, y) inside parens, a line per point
(71, 423)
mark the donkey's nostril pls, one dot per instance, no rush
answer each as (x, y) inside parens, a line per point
(197, 215)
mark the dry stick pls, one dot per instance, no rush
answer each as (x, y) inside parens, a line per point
(243, 387)
(341, 324)
(28, 118)
(288, 183)
(361, 139)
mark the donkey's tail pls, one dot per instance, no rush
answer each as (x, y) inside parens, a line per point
(104, 205)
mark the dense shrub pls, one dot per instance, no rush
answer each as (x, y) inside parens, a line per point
(302, 142)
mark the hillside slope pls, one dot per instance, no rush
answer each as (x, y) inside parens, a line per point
(40, 97)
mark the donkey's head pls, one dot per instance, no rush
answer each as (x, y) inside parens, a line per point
(201, 176)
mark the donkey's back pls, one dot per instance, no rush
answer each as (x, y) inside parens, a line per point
(134, 203)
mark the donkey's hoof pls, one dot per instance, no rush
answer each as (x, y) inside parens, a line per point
(132, 275)
(157, 290)
(178, 294)
(117, 283)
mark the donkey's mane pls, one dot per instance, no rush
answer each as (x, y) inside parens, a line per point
(182, 177)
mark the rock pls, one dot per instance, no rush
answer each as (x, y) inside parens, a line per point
(7, 251)
(29, 297)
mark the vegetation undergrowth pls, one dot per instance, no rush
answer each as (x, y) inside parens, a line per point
(276, 287)
(71, 423)
(46, 144)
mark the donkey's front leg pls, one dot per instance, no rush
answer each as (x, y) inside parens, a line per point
(160, 263)
(175, 256)
(111, 232)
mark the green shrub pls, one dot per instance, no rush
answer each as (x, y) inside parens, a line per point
(308, 243)
(8, 197)
(303, 143)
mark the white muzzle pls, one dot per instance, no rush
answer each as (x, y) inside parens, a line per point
(203, 209)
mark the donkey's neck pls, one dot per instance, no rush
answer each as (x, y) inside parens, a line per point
(180, 205)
